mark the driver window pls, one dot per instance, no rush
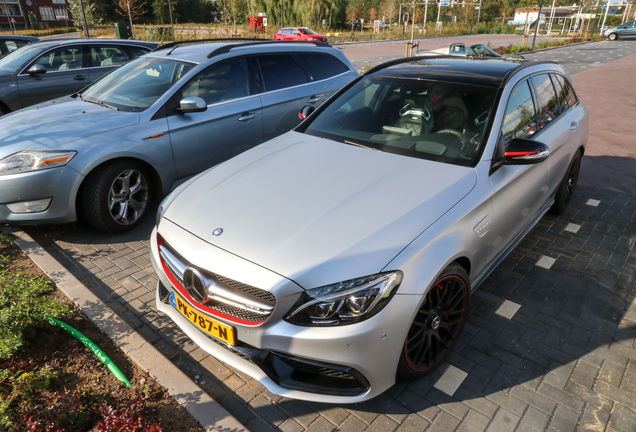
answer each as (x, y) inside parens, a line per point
(66, 58)
(520, 117)
(223, 81)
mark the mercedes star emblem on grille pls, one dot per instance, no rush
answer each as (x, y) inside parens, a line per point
(195, 284)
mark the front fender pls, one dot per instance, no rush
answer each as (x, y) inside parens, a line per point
(148, 142)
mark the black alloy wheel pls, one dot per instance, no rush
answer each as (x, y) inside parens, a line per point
(437, 324)
(116, 197)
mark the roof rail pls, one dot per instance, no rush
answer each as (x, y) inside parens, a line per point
(190, 41)
(227, 48)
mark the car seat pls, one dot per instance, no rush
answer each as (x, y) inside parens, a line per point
(69, 61)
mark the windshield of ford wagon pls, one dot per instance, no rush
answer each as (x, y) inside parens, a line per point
(16, 59)
(136, 85)
(414, 117)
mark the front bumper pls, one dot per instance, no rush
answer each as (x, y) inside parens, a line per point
(343, 364)
(60, 184)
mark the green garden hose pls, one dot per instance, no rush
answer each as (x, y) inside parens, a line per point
(91, 345)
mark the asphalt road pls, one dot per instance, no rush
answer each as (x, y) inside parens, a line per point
(550, 339)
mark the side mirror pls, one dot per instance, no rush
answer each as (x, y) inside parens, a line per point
(306, 111)
(192, 104)
(36, 69)
(521, 151)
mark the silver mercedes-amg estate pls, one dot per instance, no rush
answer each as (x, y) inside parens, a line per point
(340, 255)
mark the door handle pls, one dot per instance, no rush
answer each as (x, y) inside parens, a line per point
(246, 117)
(313, 99)
(574, 125)
(79, 77)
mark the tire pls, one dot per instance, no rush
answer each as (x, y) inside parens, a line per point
(565, 191)
(3, 110)
(116, 196)
(612, 36)
(437, 324)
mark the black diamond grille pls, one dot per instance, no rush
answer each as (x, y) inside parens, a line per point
(241, 288)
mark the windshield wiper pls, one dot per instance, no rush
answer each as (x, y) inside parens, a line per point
(359, 145)
(99, 102)
(104, 104)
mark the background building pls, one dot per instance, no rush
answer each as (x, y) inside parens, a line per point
(34, 14)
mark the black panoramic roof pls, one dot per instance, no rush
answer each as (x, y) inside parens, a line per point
(473, 71)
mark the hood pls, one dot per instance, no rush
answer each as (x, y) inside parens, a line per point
(318, 211)
(55, 124)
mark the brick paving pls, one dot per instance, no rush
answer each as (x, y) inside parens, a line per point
(550, 342)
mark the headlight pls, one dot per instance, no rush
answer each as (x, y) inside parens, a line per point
(345, 302)
(34, 160)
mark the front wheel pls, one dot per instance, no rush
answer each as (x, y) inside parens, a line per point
(437, 324)
(612, 36)
(116, 196)
(565, 191)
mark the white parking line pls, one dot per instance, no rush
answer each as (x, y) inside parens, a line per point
(450, 380)
(593, 202)
(508, 309)
(572, 227)
(546, 262)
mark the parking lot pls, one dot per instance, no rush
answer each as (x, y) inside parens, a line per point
(550, 339)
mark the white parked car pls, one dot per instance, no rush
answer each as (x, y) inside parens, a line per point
(330, 260)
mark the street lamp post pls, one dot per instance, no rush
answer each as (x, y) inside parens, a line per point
(84, 18)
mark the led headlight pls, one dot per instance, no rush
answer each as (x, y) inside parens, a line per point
(345, 302)
(34, 160)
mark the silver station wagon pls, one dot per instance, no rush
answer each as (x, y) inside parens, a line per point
(338, 256)
(106, 152)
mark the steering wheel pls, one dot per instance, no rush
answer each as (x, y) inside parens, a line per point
(467, 143)
(459, 135)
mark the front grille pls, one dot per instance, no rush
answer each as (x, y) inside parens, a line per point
(229, 299)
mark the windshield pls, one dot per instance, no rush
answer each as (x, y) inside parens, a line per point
(426, 119)
(15, 60)
(307, 31)
(138, 84)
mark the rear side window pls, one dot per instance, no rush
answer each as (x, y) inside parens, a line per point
(566, 95)
(321, 66)
(280, 71)
(108, 55)
(546, 99)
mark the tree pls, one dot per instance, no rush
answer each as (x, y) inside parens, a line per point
(355, 10)
(75, 7)
(132, 9)
(161, 10)
(389, 10)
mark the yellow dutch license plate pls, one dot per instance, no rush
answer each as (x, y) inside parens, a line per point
(211, 327)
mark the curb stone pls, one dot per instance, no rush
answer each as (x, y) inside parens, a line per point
(209, 413)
